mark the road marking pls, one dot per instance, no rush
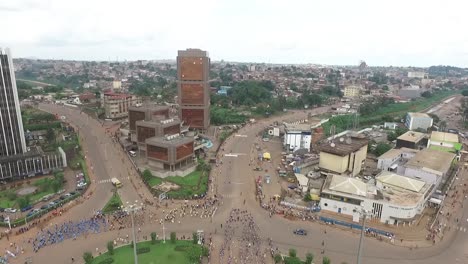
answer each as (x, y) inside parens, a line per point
(237, 183)
(241, 136)
(109, 180)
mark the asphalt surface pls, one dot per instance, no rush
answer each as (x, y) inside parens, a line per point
(236, 184)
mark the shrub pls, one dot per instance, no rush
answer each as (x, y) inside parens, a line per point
(143, 250)
(277, 258)
(107, 261)
(153, 237)
(292, 253)
(110, 247)
(195, 237)
(173, 237)
(326, 260)
(181, 248)
(309, 258)
(88, 257)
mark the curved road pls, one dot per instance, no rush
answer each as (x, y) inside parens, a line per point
(234, 181)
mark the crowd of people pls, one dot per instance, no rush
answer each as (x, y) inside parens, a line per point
(249, 250)
(68, 230)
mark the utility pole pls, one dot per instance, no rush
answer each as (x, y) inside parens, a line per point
(132, 208)
(164, 233)
(361, 239)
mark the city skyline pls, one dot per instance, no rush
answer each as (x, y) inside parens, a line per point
(390, 33)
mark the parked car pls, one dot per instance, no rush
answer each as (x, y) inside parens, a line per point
(45, 207)
(300, 232)
(81, 184)
(10, 210)
(57, 201)
(2, 209)
(63, 197)
(52, 204)
(26, 208)
(72, 193)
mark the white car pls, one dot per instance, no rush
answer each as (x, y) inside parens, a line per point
(11, 210)
(81, 184)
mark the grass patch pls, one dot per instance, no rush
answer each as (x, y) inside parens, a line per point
(195, 183)
(396, 110)
(153, 181)
(113, 204)
(159, 253)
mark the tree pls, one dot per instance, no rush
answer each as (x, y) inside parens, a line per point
(173, 237)
(309, 258)
(194, 237)
(88, 257)
(153, 237)
(381, 148)
(110, 247)
(277, 258)
(435, 118)
(50, 135)
(56, 185)
(465, 92)
(442, 125)
(292, 253)
(426, 94)
(326, 260)
(24, 201)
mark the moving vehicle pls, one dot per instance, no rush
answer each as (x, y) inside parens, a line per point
(132, 153)
(257, 169)
(116, 182)
(300, 232)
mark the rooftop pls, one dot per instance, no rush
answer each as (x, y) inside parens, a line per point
(169, 140)
(344, 145)
(347, 185)
(297, 127)
(146, 107)
(444, 137)
(391, 179)
(412, 136)
(433, 160)
(396, 152)
(391, 192)
(417, 114)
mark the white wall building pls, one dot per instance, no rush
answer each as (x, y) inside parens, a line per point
(394, 199)
(297, 136)
(429, 165)
(418, 120)
(390, 159)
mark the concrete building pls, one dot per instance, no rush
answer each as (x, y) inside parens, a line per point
(392, 158)
(160, 128)
(352, 91)
(417, 74)
(147, 113)
(429, 165)
(414, 121)
(392, 199)
(116, 105)
(16, 160)
(297, 136)
(344, 156)
(170, 153)
(410, 92)
(412, 139)
(193, 70)
(444, 142)
(12, 141)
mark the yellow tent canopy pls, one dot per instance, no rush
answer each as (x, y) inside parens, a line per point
(314, 197)
(266, 155)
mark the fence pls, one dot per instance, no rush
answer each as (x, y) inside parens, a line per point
(354, 226)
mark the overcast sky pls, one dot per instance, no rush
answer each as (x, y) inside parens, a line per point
(381, 32)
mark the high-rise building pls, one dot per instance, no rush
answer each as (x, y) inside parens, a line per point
(12, 139)
(16, 160)
(193, 72)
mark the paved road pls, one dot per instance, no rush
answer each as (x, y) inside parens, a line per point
(340, 246)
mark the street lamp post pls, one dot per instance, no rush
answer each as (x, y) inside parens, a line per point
(132, 208)
(364, 214)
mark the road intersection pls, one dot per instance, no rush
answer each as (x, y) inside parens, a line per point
(233, 181)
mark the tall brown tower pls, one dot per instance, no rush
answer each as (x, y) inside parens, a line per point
(193, 72)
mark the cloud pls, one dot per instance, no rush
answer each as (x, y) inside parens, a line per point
(383, 32)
